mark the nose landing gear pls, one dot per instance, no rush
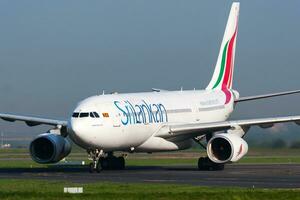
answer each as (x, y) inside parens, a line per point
(102, 161)
(95, 156)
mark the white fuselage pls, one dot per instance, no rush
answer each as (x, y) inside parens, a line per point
(137, 121)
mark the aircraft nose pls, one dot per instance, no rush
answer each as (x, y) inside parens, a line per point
(75, 126)
(77, 132)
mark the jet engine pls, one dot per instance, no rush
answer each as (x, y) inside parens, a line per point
(49, 148)
(226, 147)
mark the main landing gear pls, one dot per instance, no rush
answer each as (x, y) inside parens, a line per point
(204, 164)
(105, 161)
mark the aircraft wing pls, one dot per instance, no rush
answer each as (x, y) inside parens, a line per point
(32, 121)
(202, 128)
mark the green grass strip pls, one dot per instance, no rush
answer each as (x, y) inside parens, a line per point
(34, 189)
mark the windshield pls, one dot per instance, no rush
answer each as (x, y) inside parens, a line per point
(85, 114)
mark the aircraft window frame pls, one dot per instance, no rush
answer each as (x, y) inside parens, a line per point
(75, 114)
(96, 115)
(92, 115)
(83, 115)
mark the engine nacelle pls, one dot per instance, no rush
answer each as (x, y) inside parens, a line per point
(49, 148)
(226, 147)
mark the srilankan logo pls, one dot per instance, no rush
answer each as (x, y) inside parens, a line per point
(141, 112)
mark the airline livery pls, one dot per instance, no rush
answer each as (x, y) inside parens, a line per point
(157, 121)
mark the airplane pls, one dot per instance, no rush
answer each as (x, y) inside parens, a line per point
(157, 121)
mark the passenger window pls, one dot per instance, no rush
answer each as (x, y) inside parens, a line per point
(96, 115)
(75, 114)
(81, 115)
(92, 115)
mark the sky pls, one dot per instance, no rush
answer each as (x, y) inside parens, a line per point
(56, 53)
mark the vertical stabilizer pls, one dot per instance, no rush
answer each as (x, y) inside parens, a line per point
(223, 74)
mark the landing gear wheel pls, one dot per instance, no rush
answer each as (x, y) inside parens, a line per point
(95, 156)
(109, 162)
(104, 162)
(91, 167)
(99, 167)
(112, 163)
(121, 163)
(205, 164)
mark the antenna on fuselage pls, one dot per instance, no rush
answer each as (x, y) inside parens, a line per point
(103, 92)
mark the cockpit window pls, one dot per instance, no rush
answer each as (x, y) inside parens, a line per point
(75, 114)
(96, 115)
(92, 115)
(83, 114)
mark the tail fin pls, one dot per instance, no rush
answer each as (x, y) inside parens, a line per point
(223, 74)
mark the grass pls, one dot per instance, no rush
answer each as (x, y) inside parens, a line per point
(34, 189)
(20, 164)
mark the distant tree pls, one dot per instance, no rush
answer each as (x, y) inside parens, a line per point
(278, 143)
(295, 145)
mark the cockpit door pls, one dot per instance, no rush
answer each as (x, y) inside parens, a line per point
(116, 120)
(115, 117)
(110, 115)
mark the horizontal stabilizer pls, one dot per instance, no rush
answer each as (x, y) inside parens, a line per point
(250, 98)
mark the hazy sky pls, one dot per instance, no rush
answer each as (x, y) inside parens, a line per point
(55, 53)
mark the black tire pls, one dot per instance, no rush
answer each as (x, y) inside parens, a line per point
(218, 167)
(91, 168)
(104, 162)
(121, 163)
(114, 163)
(201, 164)
(99, 167)
(205, 164)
